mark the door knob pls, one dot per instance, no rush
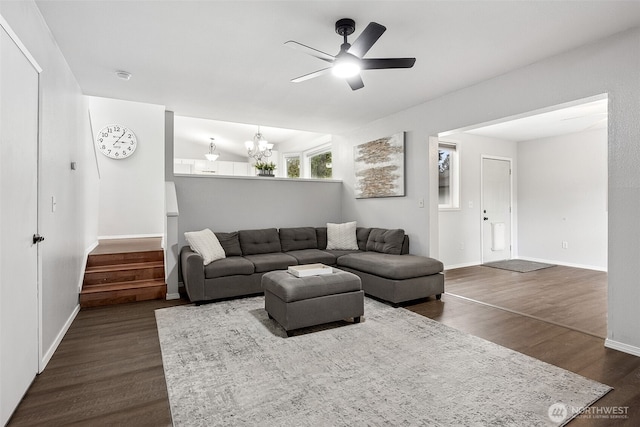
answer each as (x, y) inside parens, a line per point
(37, 238)
(485, 218)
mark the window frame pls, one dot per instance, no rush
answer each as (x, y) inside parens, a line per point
(295, 155)
(315, 151)
(454, 176)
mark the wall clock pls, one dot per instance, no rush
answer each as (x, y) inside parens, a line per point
(116, 141)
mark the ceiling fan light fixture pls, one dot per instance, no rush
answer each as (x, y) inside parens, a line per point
(348, 63)
(345, 68)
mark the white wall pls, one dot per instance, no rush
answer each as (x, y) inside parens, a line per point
(389, 212)
(460, 230)
(562, 189)
(577, 74)
(131, 189)
(64, 137)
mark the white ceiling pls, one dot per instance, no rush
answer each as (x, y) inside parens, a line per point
(226, 60)
(556, 121)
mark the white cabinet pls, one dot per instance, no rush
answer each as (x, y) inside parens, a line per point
(183, 166)
(243, 169)
(205, 167)
(225, 168)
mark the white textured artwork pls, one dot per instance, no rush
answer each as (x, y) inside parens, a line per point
(379, 167)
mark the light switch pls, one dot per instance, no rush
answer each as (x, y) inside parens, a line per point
(421, 203)
(53, 203)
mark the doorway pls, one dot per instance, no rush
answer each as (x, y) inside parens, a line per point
(496, 196)
(19, 304)
(558, 214)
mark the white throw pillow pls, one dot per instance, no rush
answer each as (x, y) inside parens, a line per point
(206, 244)
(342, 236)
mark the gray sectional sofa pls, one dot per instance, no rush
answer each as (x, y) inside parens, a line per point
(382, 262)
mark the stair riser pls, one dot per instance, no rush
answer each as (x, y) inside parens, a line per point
(122, 296)
(124, 258)
(98, 278)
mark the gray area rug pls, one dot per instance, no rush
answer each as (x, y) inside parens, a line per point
(228, 364)
(519, 265)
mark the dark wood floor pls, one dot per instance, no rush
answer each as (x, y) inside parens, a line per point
(107, 371)
(572, 297)
(108, 368)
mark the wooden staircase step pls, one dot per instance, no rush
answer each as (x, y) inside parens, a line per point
(124, 267)
(119, 286)
(124, 258)
(123, 272)
(122, 292)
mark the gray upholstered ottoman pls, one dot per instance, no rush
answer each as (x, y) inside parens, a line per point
(299, 302)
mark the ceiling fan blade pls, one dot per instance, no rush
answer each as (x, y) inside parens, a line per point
(311, 75)
(355, 82)
(366, 39)
(382, 63)
(310, 51)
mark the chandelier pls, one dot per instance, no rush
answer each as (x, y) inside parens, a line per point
(259, 148)
(211, 156)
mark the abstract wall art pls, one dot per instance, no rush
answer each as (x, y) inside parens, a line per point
(379, 167)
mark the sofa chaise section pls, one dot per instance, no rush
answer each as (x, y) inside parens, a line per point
(395, 278)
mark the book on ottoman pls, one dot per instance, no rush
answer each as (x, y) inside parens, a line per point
(310, 270)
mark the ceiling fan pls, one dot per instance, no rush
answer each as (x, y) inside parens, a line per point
(349, 61)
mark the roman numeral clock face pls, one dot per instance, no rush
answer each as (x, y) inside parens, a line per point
(116, 141)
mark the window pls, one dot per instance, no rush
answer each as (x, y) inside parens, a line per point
(292, 162)
(448, 176)
(320, 165)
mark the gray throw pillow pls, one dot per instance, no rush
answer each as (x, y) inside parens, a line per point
(385, 241)
(230, 243)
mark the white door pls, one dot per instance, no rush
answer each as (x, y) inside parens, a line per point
(496, 209)
(19, 340)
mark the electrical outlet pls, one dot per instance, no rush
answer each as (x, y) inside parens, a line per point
(565, 244)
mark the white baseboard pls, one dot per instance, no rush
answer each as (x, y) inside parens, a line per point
(566, 264)
(131, 236)
(54, 346)
(546, 261)
(466, 264)
(173, 296)
(625, 348)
